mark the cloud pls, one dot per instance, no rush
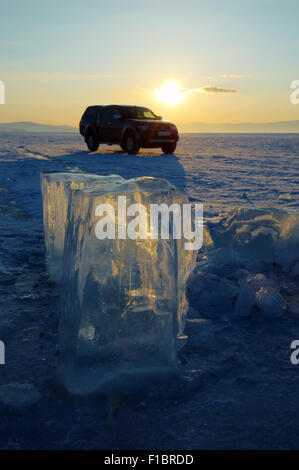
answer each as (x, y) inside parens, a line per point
(209, 89)
(214, 90)
(234, 75)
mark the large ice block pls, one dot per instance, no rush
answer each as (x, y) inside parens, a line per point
(124, 304)
(56, 192)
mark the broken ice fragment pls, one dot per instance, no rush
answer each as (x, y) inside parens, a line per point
(210, 294)
(245, 300)
(257, 250)
(270, 302)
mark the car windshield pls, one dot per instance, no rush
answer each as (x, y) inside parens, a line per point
(139, 113)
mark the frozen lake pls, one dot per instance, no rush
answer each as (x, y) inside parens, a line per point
(220, 170)
(237, 388)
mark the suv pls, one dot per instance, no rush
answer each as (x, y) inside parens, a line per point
(131, 127)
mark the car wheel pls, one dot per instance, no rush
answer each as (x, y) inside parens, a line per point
(131, 144)
(92, 142)
(168, 148)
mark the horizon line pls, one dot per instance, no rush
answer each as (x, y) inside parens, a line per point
(178, 123)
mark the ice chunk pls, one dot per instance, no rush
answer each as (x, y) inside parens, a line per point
(295, 269)
(245, 300)
(211, 295)
(257, 250)
(56, 193)
(123, 303)
(270, 302)
(259, 281)
(267, 234)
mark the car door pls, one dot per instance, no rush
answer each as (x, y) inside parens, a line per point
(117, 125)
(105, 125)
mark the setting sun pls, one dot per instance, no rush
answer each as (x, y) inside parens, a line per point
(170, 93)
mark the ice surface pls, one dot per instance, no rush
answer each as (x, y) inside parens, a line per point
(18, 396)
(56, 192)
(123, 305)
(265, 166)
(201, 337)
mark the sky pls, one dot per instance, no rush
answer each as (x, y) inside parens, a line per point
(59, 56)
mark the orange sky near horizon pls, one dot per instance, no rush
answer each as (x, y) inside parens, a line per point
(57, 101)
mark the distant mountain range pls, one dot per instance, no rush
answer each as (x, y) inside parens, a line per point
(282, 126)
(27, 126)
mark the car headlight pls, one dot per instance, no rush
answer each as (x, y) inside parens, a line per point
(143, 128)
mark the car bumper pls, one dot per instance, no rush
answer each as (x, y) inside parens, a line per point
(162, 141)
(157, 141)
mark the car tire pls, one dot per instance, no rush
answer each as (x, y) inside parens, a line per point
(92, 142)
(168, 148)
(131, 144)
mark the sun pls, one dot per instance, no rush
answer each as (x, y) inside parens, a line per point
(170, 93)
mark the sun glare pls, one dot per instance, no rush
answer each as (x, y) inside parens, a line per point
(170, 93)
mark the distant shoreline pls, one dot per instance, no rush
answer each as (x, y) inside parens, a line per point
(19, 131)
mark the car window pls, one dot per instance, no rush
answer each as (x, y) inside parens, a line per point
(91, 112)
(116, 114)
(87, 114)
(106, 115)
(139, 113)
(149, 115)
